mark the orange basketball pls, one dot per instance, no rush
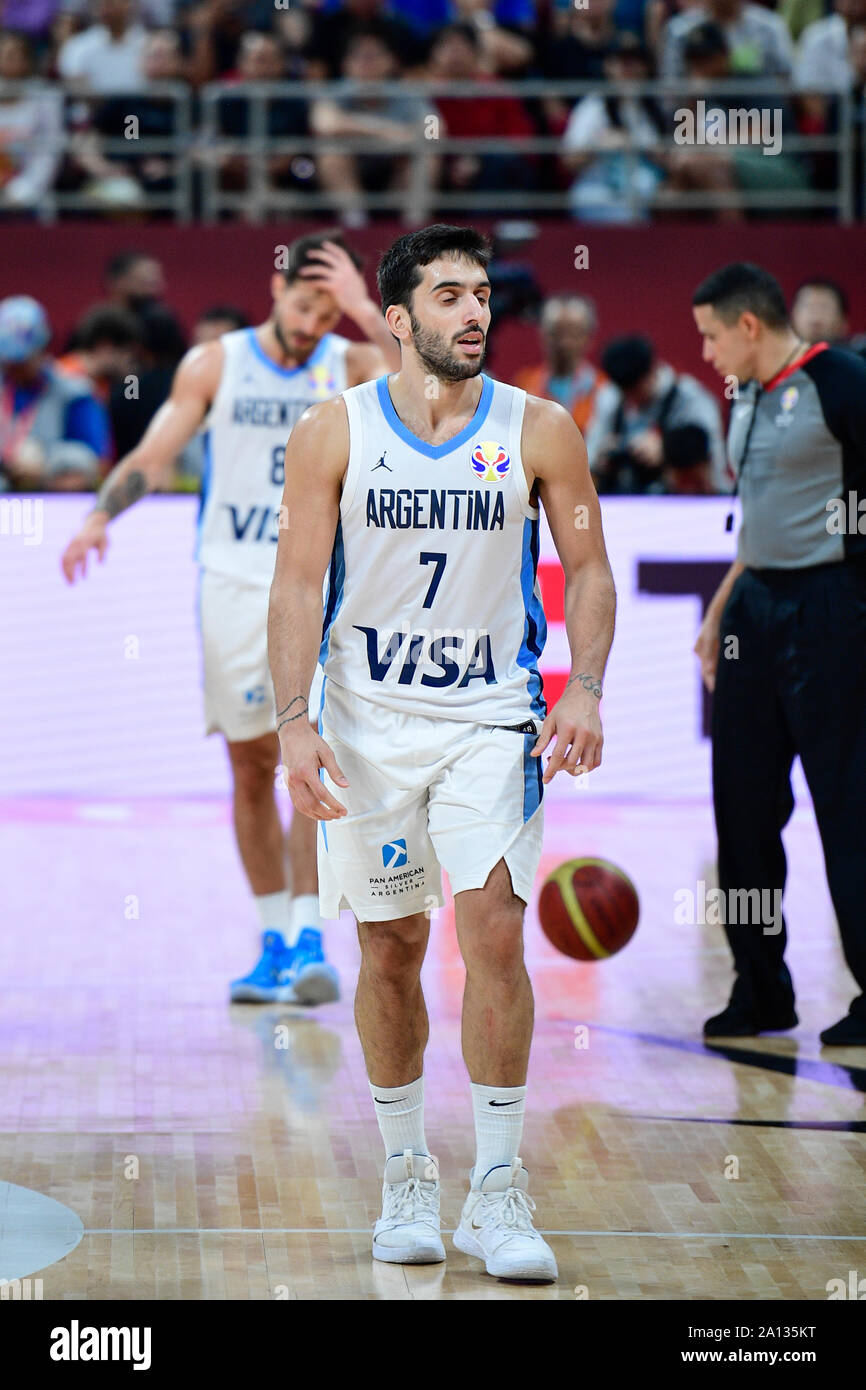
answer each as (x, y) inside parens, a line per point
(588, 908)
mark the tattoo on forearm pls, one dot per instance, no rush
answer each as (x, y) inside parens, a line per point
(116, 495)
(590, 683)
(283, 716)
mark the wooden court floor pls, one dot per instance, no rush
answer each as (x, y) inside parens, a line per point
(218, 1152)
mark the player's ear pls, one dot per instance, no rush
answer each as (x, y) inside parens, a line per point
(397, 319)
(278, 285)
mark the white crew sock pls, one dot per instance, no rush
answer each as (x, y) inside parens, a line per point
(498, 1126)
(303, 912)
(273, 910)
(401, 1125)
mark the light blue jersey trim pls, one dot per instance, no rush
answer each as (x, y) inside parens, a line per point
(336, 586)
(534, 638)
(533, 787)
(207, 473)
(435, 451)
(311, 361)
(322, 823)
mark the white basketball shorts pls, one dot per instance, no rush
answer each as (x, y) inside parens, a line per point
(424, 795)
(238, 692)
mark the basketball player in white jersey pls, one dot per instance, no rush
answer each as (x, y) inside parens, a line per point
(248, 388)
(424, 498)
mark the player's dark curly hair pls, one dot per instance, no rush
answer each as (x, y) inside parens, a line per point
(400, 269)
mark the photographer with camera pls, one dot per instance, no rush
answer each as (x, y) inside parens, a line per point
(653, 430)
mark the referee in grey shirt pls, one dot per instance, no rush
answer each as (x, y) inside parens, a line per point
(783, 642)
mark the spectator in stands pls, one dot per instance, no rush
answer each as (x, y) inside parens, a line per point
(577, 42)
(151, 173)
(502, 50)
(819, 312)
(53, 431)
(332, 29)
(31, 126)
(456, 56)
(824, 59)
(739, 167)
(610, 142)
(219, 319)
(106, 57)
(104, 348)
(568, 325)
(135, 280)
(390, 121)
(261, 60)
(213, 32)
(649, 420)
(759, 43)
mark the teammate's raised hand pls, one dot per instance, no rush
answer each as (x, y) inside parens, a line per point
(303, 752)
(92, 536)
(575, 724)
(336, 272)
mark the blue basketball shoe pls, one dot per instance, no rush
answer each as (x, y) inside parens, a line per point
(306, 977)
(263, 984)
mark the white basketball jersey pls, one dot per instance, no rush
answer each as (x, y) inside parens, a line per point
(432, 605)
(253, 412)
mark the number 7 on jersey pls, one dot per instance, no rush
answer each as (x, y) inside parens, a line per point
(433, 557)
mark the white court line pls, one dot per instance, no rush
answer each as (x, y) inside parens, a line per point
(367, 1230)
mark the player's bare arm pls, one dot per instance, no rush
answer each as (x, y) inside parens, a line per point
(554, 457)
(144, 468)
(336, 273)
(707, 645)
(311, 510)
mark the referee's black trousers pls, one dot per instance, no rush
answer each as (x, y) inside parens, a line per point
(791, 681)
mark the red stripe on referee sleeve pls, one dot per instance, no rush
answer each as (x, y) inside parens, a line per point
(552, 584)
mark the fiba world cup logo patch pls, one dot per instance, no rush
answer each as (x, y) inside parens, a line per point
(490, 461)
(789, 399)
(321, 382)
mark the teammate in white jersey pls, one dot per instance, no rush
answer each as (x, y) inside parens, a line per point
(247, 388)
(424, 497)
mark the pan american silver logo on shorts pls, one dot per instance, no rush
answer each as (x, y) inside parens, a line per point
(407, 878)
(394, 854)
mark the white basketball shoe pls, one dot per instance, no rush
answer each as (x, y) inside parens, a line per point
(496, 1226)
(407, 1232)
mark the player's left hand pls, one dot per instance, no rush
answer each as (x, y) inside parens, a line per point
(337, 273)
(575, 723)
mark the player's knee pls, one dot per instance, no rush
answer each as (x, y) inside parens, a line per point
(393, 952)
(253, 770)
(493, 947)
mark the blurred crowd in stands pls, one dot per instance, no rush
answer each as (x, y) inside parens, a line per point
(85, 67)
(67, 417)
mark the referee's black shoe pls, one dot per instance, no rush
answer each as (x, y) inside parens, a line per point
(848, 1032)
(737, 1022)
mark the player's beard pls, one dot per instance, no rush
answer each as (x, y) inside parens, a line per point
(438, 357)
(296, 354)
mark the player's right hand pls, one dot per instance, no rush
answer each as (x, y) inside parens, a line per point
(303, 753)
(92, 536)
(707, 650)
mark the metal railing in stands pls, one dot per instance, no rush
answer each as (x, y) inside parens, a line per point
(416, 201)
(197, 151)
(77, 110)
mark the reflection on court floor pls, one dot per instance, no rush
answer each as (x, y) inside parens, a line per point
(230, 1152)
